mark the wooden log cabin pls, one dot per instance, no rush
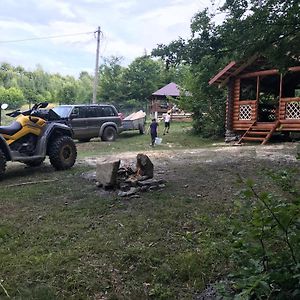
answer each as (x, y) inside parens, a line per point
(260, 100)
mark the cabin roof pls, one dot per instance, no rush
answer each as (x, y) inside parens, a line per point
(171, 89)
(235, 68)
(253, 64)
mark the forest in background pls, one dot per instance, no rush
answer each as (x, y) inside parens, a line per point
(126, 87)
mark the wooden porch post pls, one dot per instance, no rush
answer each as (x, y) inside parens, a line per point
(229, 112)
(229, 134)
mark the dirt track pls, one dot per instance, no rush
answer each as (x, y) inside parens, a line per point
(276, 153)
(214, 172)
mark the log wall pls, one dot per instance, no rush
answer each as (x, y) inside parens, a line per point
(238, 122)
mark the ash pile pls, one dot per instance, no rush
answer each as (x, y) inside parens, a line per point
(128, 180)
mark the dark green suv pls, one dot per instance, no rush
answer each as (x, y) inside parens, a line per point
(91, 120)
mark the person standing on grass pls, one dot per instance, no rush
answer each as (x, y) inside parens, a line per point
(167, 119)
(153, 131)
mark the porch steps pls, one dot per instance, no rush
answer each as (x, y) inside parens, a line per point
(259, 132)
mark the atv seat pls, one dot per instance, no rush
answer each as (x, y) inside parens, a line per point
(11, 129)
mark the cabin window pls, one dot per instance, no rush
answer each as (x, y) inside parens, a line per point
(248, 88)
(291, 85)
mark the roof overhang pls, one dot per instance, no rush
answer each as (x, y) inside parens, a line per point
(231, 70)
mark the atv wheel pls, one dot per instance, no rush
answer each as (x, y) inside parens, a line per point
(2, 164)
(35, 162)
(62, 153)
(109, 134)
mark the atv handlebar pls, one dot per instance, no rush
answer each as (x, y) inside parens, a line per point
(28, 112)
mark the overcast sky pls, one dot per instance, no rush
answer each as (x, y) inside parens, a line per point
(130, 27)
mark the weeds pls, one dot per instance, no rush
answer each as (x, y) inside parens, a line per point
(266, 243)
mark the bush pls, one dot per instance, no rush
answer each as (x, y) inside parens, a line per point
(265, 241)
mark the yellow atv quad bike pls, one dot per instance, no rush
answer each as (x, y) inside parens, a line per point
(34, 135)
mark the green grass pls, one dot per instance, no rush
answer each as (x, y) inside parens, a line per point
(181, 136)
(67, 240)
(63, 240)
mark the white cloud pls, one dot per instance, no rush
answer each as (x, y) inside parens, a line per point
(62, 8)
(6, 26)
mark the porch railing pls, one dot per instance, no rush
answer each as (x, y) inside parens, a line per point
(246, 110)
(289, 109)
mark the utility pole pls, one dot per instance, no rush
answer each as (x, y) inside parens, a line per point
(97, 66)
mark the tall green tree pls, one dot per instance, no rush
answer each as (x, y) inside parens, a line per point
(142, 77)
(85, 88)
(12, 96)
(112, 87)
(268, 27)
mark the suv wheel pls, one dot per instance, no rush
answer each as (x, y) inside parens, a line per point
(62, 153)
(2, 163)
(109, 134)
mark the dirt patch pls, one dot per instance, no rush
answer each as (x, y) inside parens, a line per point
(214, 172)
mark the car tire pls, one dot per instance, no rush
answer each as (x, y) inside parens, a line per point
(109, 134)
(142, 129)
(62, 153)
(2, 164)
(35, 162)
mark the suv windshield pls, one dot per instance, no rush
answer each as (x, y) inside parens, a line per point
(63, 111)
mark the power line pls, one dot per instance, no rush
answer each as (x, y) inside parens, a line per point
(45, 37)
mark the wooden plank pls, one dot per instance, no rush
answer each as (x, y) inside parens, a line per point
(268, 72)
(221, 73)
(253, 139)
(295, 99)
(240, 128)
(294, 69)
(291, 121)
(256, 133)
(289, 125)
(243, 126)
(270, 133)
(260, 73)
(262, 128)
(249, 101)
(290, 129)
(242, 123)
(237, 123)
(241, 68)
(245, 134)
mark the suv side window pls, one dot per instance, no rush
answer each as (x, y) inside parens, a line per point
(108, 111)
(100, 111)
(91, 112)
(78, 112)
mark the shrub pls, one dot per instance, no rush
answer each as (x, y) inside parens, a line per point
(265, 241)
